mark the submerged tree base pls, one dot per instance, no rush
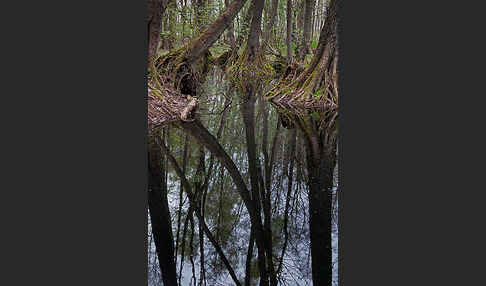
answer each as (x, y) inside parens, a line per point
(318, 90)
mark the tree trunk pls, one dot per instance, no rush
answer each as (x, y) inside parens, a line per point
(253, 42)
(155, 10)
(200, 46)
(201, 134)
(309, 8)
(160, 215)
(248, 111)
(299, 27)
(326, 36)
(320, 210)
(273, 16)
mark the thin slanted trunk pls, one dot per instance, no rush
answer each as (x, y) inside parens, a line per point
(200, 46)
(160, 215)
(202, 135)
(197, 211)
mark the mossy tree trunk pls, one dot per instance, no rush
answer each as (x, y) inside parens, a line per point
(316, 85)
(201, 45)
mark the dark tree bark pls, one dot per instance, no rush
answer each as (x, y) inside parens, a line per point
(320, 142)
(155, 10)
(320, 167)
(160, 215)
(248, 110)
(253, 42)
(326, 38)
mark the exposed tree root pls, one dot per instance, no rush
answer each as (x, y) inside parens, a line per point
(317, 90)
(316, 85)
(166, 105)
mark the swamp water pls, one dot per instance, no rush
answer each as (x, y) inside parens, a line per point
(225, 214)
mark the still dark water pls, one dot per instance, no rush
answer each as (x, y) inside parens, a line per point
(225, 214)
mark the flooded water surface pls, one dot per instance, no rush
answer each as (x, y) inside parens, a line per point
(287, 164)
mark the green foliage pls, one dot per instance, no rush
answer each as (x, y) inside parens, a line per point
(314, 44)
(318, 92)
